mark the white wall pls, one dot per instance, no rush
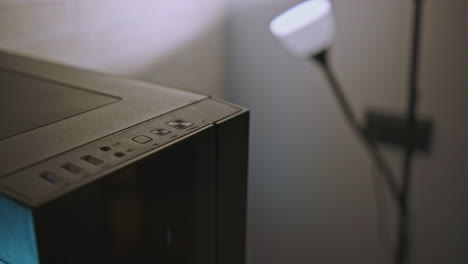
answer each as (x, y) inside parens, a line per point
(311, 188)
(177, 42)
(311, 197)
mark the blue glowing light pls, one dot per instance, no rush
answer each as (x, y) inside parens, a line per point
(17, 235)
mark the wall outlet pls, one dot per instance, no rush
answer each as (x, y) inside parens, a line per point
(390, 129)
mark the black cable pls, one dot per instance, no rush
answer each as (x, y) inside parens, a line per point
(402, 251)
(381, 210)
(374, 152)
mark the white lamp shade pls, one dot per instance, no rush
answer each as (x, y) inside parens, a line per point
(306, 29)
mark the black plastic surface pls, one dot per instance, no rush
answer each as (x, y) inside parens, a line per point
(28, 103)
(160, 209)
(390, 129)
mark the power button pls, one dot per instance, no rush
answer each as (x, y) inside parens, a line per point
(142, 139)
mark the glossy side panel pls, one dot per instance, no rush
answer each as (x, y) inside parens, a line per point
(17, 235)
(232, 153)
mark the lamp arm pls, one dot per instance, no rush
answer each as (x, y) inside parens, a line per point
(368, 142)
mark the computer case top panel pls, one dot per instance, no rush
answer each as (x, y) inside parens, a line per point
(41, 182)
(51, 108)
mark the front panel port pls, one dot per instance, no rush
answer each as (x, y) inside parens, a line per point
(72, 168)
(92, 160)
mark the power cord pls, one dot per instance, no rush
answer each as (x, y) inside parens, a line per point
(382, 215)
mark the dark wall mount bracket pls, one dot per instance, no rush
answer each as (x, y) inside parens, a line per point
(390, 129)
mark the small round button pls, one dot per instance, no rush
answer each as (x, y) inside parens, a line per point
(105, 148)
(119, 154)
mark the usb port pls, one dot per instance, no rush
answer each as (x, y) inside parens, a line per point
(92, 160)
(72, 168)
(52, 178)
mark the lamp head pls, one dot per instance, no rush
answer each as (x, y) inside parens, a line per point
(306, 29)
